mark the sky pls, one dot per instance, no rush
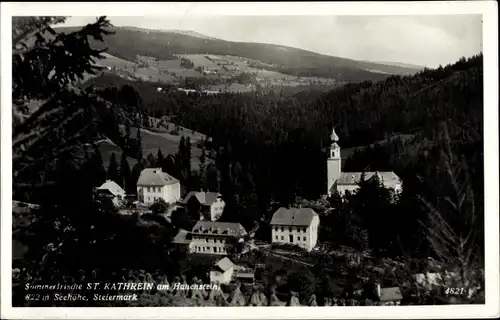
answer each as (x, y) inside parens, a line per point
(424, 40)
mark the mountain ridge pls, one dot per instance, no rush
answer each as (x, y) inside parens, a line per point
(127, 43)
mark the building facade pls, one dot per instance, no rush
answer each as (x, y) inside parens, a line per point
(341, 182)
(113, 191)
(222, 238)
(298, 226)
(222, 271)
(154, 184)
(204, 205)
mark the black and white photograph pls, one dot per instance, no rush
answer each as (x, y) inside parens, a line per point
(184, 155)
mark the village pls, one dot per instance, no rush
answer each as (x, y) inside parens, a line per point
(238, 257)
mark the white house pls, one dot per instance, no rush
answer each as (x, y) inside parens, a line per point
(222, 271)
(297, 226)
(154, 184)
(208, 204)
(113, 190)
(216, 237)
(338, 181)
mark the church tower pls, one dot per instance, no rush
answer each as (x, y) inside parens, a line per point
(334, 162)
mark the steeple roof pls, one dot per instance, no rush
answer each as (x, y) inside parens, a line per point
(334, 137)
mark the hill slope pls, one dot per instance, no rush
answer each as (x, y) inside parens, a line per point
(127, 43)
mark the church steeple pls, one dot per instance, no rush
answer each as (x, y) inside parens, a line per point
(334, 137)
(334, 162)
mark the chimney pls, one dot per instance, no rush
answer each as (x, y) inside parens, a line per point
(377, 288)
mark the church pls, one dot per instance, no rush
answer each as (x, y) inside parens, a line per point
(341, 182)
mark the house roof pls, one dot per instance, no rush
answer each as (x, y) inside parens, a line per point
(219, 228)
(204, 198)
(155, 177)
(181, 237)
(390, 294)
(224, 264)
(112, 187)
(388, 178)
(293, 216)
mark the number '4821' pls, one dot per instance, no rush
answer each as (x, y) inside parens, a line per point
(454, 291)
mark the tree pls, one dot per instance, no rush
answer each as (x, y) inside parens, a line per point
(151, 160)
(159, 207)
(126, 175)
(96, 170)
(113, 172)
(71, 238)
(159, 158)
(139, 143)
(45, 67)
(180, 219)
(455, 227)
(187, 156)
(136, 172)
(373, 205)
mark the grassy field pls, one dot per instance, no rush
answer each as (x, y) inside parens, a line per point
(171, 72)
(151, 143)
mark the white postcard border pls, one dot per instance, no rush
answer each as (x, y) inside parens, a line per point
(489, 11)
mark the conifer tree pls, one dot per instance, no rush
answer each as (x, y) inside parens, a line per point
(113, 172)
(151, 161)
(159, 158)
(97, 168)
(126, 174)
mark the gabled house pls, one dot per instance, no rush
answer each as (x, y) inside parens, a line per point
(154, 184)
(111, 190)
(222, 271)
(205, 205)
(211, 237)
(297, 226)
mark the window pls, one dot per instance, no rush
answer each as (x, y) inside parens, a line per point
(220, 249)
(206, 240)
(290, 229)
(305, 239)
(208, 248)
(203, 249)
(276, 237)
(275, 228)
(215, 249)
(282, 229)
(282, 238)
(304, 229)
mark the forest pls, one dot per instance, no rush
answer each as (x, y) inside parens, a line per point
(127, 43)
(270, 150)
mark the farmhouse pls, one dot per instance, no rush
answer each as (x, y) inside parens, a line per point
(216, 237)
(225, 271)
(206, 205)
(297, 226)
(338, 181)
(222, 271)
(154, 184)
(112, 190)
